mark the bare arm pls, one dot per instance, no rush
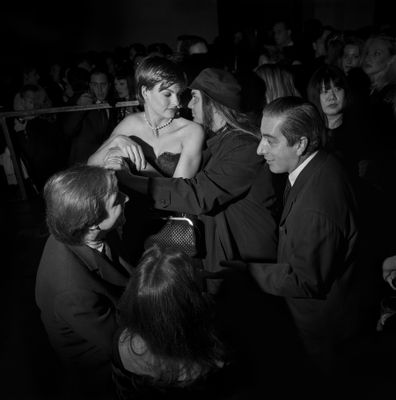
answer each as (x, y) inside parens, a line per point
(120, 144)
(190, 158)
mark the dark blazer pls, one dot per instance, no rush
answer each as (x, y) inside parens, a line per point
(317, 254)
(233, 196)
(87, 130)
(77, 290)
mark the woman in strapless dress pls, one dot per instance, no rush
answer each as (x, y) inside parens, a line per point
(156, 142)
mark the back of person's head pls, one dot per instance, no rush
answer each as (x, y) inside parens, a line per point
(163, 304)
(334, 45)
(159, 49)
(300, 118)
(319, 41)
(136, 49)
(279, 81)
(198, 45)
(78, 79)
(221, 93)
(156, 69)
(76, 201)
(323, 79)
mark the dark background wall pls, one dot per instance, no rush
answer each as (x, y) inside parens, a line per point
(48, 27)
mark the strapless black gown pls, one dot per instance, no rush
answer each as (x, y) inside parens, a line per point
(165, 163)
(142, 220)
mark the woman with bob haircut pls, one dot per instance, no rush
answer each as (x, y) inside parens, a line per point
(156, 141)
(82, 272)
(347, 135)
(167, 337)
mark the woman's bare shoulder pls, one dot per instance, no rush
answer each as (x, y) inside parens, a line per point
(189, 126)
(129, 123)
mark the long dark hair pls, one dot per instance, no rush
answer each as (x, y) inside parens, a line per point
(235, 120)
(165, 306)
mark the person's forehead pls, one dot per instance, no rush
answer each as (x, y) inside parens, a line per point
(270, 125)
(349, 48)
(99, 78)
(280, 27)
(174, 88)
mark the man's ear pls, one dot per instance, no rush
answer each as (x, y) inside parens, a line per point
(144, 92)
(302, 145)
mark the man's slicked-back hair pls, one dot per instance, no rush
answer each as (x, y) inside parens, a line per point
(155, 69)
(300, 118)
(76, 200)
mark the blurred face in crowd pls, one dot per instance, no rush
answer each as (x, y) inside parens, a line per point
(195, 105)
(99, 85)
(162, 101)
(350, 57)
(281, 34)
(31, 78)
(332, 99)
(376, 57)
(121, 87)
(280, 156)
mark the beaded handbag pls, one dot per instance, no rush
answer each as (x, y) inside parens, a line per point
(180, 232)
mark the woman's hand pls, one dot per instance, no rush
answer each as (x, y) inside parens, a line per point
(131, 150)
(115, 161)
(389, 271)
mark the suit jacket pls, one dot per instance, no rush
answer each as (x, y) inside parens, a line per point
(316, 270)
(77, 290)
(233, 196)
(87, 130)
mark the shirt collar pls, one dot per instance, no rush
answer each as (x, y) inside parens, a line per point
(294, 174)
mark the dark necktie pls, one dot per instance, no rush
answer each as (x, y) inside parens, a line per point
(286, 191)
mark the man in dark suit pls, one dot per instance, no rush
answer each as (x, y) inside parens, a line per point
(316, 270)
(87, 130)
(82, 272)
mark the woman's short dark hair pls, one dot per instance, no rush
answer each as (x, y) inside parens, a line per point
(300, 119)
(157, 69)
(164, 305)
(76, 200)
(324, 77)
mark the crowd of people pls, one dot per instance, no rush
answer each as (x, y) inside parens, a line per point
(284, 153)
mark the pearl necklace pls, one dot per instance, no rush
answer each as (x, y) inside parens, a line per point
(155, 129)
